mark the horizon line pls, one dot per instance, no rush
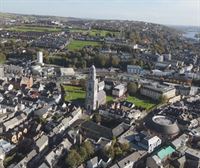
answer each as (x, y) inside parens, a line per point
(87, 18)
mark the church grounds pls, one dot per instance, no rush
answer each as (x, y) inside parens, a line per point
(74, 93)
(77, 93)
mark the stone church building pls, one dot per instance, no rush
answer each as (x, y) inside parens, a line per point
(95, 95)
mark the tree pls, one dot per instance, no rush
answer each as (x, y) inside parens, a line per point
(82, 83)
(125, 147)
(101, 61)
(83, 153)
(115, 61)
(97, 118)
(2, 58)
(89, 148)
(132, 88)
(163, 99)
(118, 151)
(110, 152)
(73, 159)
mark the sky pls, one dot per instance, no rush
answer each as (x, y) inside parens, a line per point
(170, 12)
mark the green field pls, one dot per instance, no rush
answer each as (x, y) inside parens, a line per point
(140, 102)
(102, 33)
(78, 44)
(33, 29)
(74, 93)
(109, 99)
(94, 32)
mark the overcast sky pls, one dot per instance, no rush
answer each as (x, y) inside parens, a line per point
(174, 12)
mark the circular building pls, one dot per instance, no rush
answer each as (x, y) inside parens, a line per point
(164, 125)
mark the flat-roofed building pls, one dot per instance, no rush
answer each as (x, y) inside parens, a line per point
(134, 69)
(157, 91)
(119, 90)
(130, 160)
(67, 71)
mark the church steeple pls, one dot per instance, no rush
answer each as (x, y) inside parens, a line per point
(92, 73)
(92, 89)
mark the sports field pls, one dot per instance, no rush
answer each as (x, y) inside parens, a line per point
(78, 44)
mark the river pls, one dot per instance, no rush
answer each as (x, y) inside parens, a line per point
(191, 34)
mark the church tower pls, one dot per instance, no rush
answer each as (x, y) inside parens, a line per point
(92, 90)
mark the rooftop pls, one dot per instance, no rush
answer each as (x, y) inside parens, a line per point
(164, 152)
(158, 88)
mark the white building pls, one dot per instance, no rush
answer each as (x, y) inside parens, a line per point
(12, 123)
(5, 148)
(149, 143)
(157, 72)
(40, 58)
(157, 91)
(130, 161)
(180, 141)
(134, 69)
(1, 72)
(93, 163)
(160, 58)
(67, 72)
(186, 69)
(119, 90)
(53, 157)
(36, 69)
(42, 142)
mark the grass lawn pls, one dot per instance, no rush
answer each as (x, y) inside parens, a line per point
(140, 102)
(102, 33)
(94, 32)
(33, 29)
(74, 93)
(78, 44)
(74, 30)
(109, 98)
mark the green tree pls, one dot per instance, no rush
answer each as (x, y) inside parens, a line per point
(125, 147)
(83, 153)
(132, 88)
(102, 61)
(110, 152)
(115, 61)
(97, 117)
(89, 148)
(73, 159)
(163, 99)
(2, 58)
(82, 83)
(118, 151)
